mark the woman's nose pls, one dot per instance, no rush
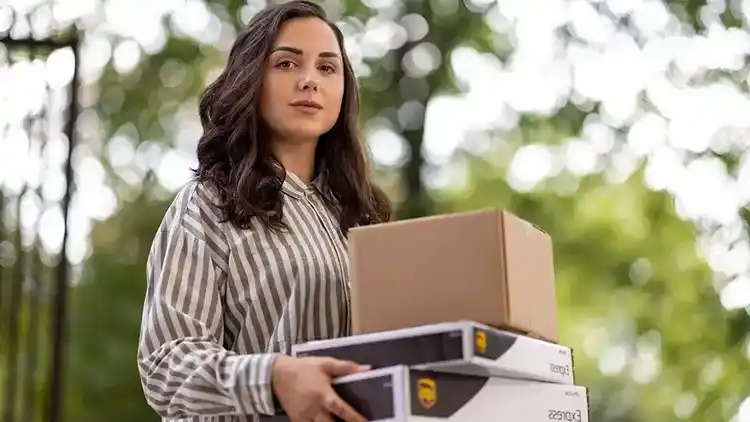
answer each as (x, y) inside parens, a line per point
(308, 82)
(310, 85)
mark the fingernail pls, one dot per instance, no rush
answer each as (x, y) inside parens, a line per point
(365, 367)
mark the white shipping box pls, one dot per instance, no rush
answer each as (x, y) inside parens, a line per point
(457, 347)
(401, 394)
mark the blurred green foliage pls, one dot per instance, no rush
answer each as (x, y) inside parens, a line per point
(636, 301)
(105, 318)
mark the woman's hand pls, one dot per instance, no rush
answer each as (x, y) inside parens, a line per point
(303, 388)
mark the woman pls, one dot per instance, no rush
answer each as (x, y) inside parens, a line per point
(251, 256)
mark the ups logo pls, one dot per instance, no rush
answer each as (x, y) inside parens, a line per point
(481, 341)
(427, 392)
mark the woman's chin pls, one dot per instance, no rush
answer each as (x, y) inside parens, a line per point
(303, 133)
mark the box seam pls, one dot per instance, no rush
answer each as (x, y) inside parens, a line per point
(500, 221)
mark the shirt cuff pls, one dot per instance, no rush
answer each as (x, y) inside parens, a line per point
(253, 384)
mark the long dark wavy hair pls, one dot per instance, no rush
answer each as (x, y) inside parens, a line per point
(234, 157)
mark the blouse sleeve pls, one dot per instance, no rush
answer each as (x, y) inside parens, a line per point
(184, 369)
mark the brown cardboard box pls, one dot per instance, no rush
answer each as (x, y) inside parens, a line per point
(486, 266)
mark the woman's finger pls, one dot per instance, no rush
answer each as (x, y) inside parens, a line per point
(323, 417)
(340, 408)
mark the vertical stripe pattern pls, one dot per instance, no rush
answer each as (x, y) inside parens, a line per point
(222, 303)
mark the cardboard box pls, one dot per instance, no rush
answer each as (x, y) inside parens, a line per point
(458, 347)
(487, 266)
(400, 394)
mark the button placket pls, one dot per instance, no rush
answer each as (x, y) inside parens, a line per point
(346, 284)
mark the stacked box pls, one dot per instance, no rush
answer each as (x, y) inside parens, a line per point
(461, 347)
(486, 266)
(403, 394)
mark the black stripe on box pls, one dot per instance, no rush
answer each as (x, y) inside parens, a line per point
(372, 397)
(413, 350)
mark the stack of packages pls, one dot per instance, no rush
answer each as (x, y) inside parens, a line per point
(457, 315)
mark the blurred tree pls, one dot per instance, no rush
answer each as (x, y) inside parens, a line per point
(401, 84)
(636, 301)
(105, 318)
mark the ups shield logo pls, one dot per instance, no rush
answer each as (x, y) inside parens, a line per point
(481, 341)
(426, 392)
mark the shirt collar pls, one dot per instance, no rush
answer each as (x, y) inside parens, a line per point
(296, 188)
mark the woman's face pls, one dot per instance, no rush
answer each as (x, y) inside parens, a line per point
(303, 86)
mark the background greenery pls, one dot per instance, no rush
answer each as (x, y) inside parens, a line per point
(637, 301)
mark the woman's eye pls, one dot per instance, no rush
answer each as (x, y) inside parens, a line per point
(328, 68)
(285, 64)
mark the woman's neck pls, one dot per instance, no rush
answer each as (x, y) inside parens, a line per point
(297, 158)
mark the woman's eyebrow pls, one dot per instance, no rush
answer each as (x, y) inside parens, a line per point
(299, 52)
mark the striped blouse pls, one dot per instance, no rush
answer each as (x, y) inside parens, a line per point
(221, 303)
